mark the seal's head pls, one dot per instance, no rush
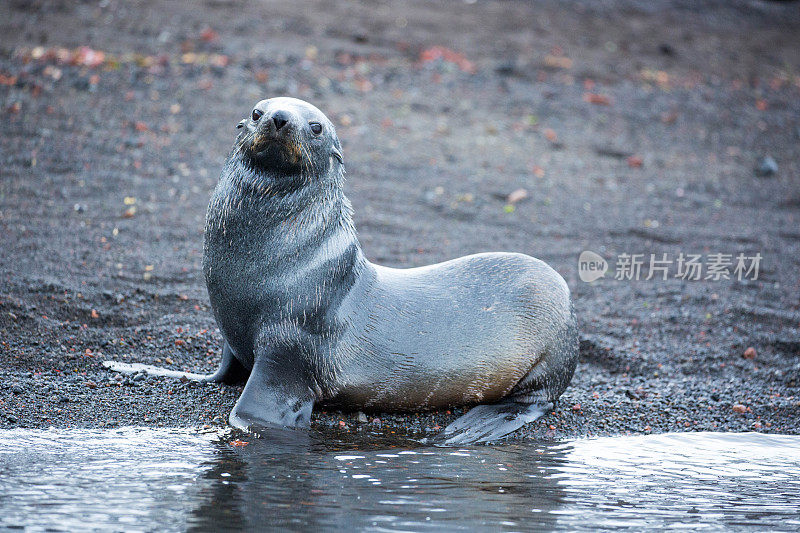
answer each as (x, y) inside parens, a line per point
(289, 136)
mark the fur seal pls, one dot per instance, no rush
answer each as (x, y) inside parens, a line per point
(307, 318)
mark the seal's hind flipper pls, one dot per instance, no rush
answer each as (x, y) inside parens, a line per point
(489, 422)
(269, 403)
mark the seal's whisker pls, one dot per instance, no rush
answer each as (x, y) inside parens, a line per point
(240, 145)
(301, 153)
(308, 158)
(308, 161)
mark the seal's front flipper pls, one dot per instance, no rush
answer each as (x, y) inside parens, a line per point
(269, 403)
(489, 422)
(137, 368)
(230, 370)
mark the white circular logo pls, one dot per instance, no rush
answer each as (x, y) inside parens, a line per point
(591, 266)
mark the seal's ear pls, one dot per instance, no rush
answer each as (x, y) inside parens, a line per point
(338, 155)
(241, 124)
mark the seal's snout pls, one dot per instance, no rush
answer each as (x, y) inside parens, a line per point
(278, 127)
(280, 118)
(278, 123)
(276, 138)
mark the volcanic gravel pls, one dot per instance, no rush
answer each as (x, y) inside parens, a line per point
(548, 128)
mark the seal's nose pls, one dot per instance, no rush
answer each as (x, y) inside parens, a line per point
(280, 118)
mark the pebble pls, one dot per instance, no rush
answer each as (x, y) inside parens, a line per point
(16, 389)
(362, 417)
(517, 196)
(766, 166)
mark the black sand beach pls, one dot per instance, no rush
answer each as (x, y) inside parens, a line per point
(551, 128)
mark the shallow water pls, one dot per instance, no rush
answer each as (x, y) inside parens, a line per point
(146, 479)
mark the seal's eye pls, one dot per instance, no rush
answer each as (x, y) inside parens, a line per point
(316, 127)
(257, 114)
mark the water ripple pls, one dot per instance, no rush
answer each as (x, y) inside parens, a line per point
(147, 479)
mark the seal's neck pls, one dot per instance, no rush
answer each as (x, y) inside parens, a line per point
(286, 215)
(289, 253)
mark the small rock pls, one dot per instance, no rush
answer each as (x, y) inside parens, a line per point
(635, 161)
(739, 408)
(376, 421)
(666, 49)
(16, 389)
(168, 360)
(362, 417)
(749, 353)
(11, 418)
(632, 394)
(517, 195)
(766, 166)
(138, 377)
(507, 68)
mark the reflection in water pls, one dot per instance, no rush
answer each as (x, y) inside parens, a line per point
(69, 479)
(178, 479)
(290, 482)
